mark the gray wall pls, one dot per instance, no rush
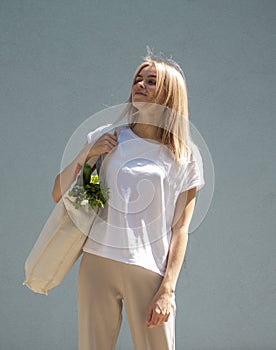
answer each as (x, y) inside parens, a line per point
(61, 62)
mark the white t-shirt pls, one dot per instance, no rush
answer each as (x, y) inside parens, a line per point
(135, 225)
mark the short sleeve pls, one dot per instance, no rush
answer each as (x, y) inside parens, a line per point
(92, 136)
(194, 174)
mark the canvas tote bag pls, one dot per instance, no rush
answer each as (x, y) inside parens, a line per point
(59, 244)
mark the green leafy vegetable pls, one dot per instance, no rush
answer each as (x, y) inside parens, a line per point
(89, 190)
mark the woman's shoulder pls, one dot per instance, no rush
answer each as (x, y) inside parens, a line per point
(98, 131)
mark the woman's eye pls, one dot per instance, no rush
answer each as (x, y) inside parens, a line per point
(150, 81)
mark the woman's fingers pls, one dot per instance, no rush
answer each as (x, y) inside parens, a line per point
(167, 318)
(109, 138)
(108, 143)
(160, 309)
(157, 317)
(104, 144)
(149, 316)
(112, 139)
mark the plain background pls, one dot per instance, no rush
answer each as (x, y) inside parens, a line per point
(64, 60)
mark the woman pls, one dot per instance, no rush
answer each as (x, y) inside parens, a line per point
(137, 244)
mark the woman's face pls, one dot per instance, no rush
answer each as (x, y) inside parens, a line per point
(144, 86)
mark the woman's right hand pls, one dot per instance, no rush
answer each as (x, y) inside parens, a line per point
(65, 178)
(103, 145)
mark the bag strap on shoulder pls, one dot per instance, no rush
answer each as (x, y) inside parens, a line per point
(102, 156)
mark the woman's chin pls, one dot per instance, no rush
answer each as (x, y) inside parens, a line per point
(142, 105)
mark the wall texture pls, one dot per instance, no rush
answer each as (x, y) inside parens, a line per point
(61, 62)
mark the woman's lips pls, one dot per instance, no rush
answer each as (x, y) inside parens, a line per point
(140, 93)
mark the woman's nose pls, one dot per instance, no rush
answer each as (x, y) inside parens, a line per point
(141, 83)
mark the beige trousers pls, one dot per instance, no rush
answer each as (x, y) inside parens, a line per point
(103, 286)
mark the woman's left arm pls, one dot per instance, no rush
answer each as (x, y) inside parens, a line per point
(160, 308)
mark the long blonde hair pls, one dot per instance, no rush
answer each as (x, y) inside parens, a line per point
(174, 129)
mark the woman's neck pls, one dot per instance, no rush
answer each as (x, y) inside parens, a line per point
(146, 131)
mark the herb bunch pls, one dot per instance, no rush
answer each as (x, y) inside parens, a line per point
(89, 190)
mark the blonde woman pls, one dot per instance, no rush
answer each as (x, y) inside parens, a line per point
(137, 244)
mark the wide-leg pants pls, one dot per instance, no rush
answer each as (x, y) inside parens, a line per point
(103, 286)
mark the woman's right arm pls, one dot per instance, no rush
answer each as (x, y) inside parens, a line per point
(89, 154)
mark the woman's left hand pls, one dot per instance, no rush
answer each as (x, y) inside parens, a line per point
(160, 309)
